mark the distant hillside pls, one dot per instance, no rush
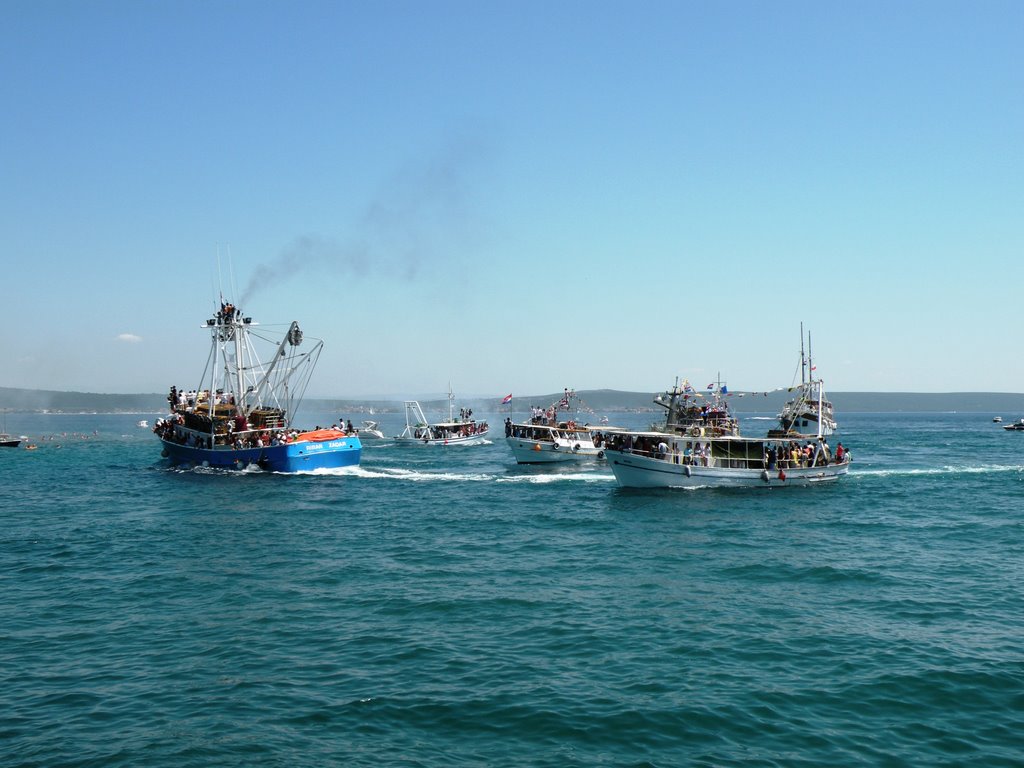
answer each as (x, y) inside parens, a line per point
(599, 400)
(38, 400)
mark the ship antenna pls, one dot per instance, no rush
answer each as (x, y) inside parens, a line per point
(803, 360)
(231, 277)
(810, 357)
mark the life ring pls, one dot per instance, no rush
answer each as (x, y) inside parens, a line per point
(554, 446)
(600, 454)
(576, 448)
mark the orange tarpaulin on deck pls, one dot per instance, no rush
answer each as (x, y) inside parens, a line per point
(321, 435)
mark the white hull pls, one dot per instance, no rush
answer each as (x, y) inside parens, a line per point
(529, 451)
(633, 470)
(477, 439)
(418, 432)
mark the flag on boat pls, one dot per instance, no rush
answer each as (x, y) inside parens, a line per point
(725, 390)
(711, 386)
(506, 399)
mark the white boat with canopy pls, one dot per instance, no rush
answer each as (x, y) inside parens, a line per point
(464, 430)
(693, 450)
(662, 460)
(546, 438)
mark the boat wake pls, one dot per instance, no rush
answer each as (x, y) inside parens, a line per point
(586, 477)
(395, 473)
(991, 469)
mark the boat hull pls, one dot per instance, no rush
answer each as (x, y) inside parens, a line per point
(477, 439)
(528, 451)
(632, 470)
(301, 456)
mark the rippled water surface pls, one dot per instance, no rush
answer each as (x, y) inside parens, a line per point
(439, 607)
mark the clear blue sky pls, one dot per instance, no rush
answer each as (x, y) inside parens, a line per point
(518, 196)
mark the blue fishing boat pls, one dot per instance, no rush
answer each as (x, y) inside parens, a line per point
(240, 415)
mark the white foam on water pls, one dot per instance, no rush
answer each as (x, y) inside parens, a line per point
(946, 470)
(395, 473)
(558, 478)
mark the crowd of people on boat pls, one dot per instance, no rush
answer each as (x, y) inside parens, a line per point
(538, 432)
(235, 433)
(181, 400)
(452, 431)
(776, 455)
(542, 416)
(708, 419)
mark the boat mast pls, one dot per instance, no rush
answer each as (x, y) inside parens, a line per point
(803, 360)
(240, 355)
(810, 359)
(219, 359)
(821, 412)
(451, 401)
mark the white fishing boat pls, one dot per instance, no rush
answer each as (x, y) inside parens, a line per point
(241, 414)
(1017, 426)
(371, 429)
(142, 424)
(545, 438)
(693, 450)
(997, 419)
(663, 460)
(809, 413)
(464, 430)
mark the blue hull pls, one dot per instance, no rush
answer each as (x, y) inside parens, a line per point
(293, 457)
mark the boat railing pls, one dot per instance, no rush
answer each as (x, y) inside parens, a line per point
(676, 455)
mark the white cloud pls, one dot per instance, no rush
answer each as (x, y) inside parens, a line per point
(131, 338)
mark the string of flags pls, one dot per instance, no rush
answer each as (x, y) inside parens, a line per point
(689, 391)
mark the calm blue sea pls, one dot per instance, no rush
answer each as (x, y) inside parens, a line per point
(445, 607)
